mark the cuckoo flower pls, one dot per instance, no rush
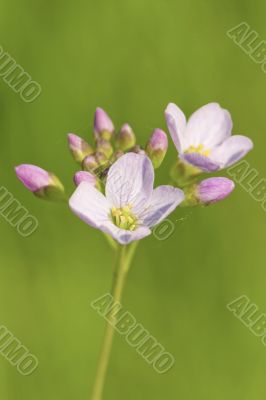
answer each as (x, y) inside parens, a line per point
(205, 140)
(130, 206)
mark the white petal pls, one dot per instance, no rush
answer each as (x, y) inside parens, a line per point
(123, 236)
(90, 205)
(176, 122)
(210, 125)
(130, 181)
(164, 200)
(232, 150)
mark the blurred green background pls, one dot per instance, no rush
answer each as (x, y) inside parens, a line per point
(131, 58)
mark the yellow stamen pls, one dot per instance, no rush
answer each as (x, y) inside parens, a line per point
(123, 218)
(199, 149)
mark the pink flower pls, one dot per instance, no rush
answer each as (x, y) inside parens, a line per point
(205, 141)
(130, 206)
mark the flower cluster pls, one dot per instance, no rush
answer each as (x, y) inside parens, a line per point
(115, 191)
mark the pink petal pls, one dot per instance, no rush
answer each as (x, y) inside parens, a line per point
(210, 125)
(164, 200)
(202, 162)
(130, 181)
(176, 122)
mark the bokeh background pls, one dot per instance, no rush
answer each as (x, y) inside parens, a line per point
(130, 57)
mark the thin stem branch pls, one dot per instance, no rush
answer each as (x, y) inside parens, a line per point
(124, 258)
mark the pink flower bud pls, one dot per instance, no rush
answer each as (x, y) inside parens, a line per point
(33, 177)
(105, 147)
(126, 138)
(90, 163)
(212, 190)
(42, 183)
(78, 147)
(157, 147)
(84, 176)
(103, 125)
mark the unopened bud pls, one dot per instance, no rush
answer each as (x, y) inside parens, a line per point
(101, 158)
(212, 190)
(42, 183)
(208, 191)
(126, 138)
(103, 125)
(84, 176)
(104, 147)
(78, 147)
(156, 147)
(90, 163)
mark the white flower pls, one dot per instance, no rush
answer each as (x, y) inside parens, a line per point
(130, 206)
(205, 141)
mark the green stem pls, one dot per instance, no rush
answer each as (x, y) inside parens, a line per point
(124, 258)
(111, 241)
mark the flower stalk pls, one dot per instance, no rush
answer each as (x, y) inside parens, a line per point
(124, 257)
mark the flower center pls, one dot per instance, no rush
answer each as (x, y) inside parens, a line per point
(199, 149)
(124, 218)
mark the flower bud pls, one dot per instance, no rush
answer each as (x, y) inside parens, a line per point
(101, 158)
(208, 191)
(78, 147)
(42, 183)
(212, 190)
(104, 147)
(84, 176)
(103, 125)
(90, 163)
(126, 138)
(156, 147)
